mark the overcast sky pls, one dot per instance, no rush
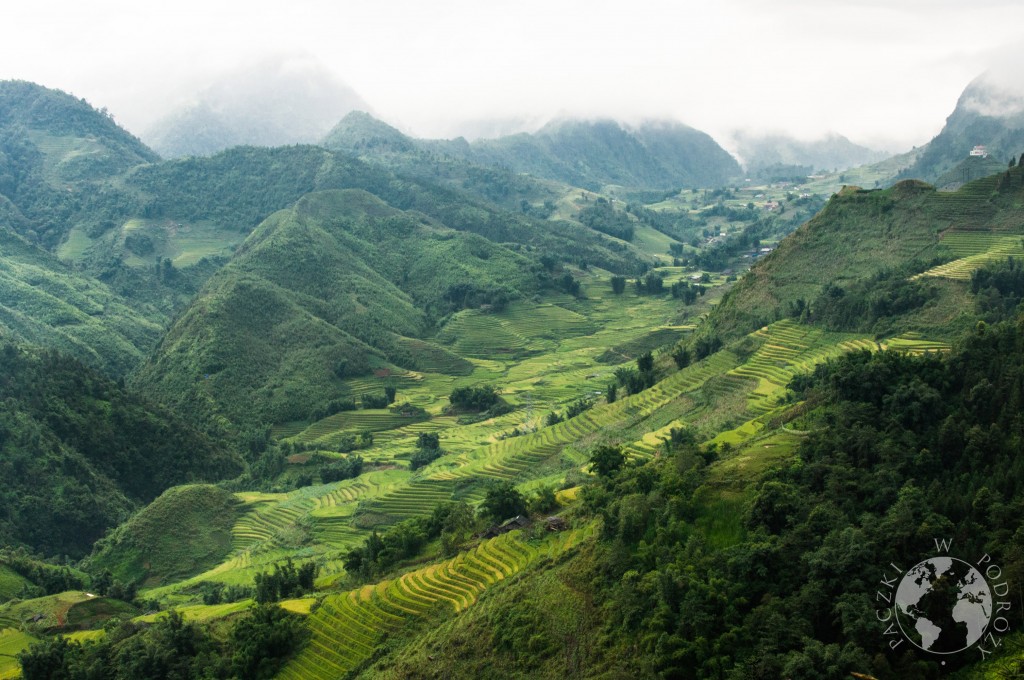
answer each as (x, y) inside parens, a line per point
(886, 73)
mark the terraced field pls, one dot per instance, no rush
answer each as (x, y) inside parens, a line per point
(12, 642)
(975, 249)
(969, 205)
(790, 348)
(352, 422)
(914, 343)
(474, 334)
(511, 458)
(416, 499)
(348, 627)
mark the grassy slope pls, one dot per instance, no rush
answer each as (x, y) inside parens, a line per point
(183, 532)
(859, 233)
(44, 302)
(12, 642)
(337, 279)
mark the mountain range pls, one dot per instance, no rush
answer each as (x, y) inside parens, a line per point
(579, 402)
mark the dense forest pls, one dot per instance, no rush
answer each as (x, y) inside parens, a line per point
(80, 453)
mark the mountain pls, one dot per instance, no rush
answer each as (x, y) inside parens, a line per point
(44, 302)
(360, 134)
(989, 113)
(78, 453)
(331, 288)
(588, 154)
(865, 244)
(768, 154)
(273, 103)
(56, 153)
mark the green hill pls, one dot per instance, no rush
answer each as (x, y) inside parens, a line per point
(44, 302)
(78, 453)
(323, 291)
(860, 235)
(55, 153)
(185, 531)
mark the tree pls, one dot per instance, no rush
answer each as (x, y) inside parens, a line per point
(48, 659)
(607, 460)
(543, 500)
(645, 362)
(681, 355)
(618, 284)
(263, 639)
(389, 394)
(428, 440)
(611, 393)
(654, 283)
(503, 501)
(428, 449)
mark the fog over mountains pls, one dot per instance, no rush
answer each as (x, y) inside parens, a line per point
(272, 103)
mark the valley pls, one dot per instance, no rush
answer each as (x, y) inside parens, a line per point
(553, 405)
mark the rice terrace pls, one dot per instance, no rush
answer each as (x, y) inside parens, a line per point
(558, 390)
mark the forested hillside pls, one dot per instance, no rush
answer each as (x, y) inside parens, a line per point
(685, 582)
(45, 302)
(588, 154)
(331, 289)
(79, 453)
(868, 248)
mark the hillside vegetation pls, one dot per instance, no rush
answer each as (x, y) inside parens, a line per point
(321, 292)
(44, 302)
(186, 530)
(80, 453)
(860, 236)
(588, 154)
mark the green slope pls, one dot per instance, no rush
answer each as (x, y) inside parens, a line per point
(861, 234)
(320, 292)
(78, 452)
(44, 302)
(186, 530)
(56, 151)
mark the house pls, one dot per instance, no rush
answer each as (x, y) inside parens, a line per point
(980, 151)
(517, 522)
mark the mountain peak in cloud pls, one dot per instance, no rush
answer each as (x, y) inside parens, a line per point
(276, 101)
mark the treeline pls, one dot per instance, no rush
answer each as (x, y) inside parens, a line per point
(45, 578)
(285, 581)
(254, 646)
(452, 522)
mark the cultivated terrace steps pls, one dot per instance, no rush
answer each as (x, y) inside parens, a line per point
(347, 628)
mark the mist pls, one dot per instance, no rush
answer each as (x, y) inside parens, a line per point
(883, 74)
